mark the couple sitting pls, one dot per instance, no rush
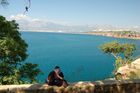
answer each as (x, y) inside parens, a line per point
(56, 78)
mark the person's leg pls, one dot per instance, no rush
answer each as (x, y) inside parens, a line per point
(52, 83)
(59, 82)
(65, 84)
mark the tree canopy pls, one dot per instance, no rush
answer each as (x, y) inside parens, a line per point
(13, 53)
(117, 49)
(122, 52)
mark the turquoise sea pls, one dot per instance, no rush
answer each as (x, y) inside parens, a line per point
(78, 55)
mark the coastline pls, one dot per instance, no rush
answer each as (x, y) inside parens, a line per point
(104, 34)
(111, 34)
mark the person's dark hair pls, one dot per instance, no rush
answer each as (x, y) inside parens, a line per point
(56, 67)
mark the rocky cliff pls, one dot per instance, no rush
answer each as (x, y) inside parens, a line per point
(130, 71)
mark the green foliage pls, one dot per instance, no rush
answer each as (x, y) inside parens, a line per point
(122, 52)
(111, 47)
(117, 49)
(118, 63)
(118, 76)
(30, 71)
(13, 50)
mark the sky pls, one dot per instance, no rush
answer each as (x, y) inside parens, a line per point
(78, 12)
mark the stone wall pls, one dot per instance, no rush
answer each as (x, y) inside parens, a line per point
(106, 86)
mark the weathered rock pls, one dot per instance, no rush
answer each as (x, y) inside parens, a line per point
(130, 71)
(106, 86)
(136, 64)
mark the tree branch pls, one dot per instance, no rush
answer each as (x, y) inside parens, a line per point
(114, 55)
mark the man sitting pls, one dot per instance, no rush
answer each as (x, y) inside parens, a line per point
(56, 78)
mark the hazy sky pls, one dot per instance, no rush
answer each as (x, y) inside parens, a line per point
(80, 12)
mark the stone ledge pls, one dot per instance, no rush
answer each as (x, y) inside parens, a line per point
(106, 86)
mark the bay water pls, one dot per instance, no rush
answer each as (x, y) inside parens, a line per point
(78, 55)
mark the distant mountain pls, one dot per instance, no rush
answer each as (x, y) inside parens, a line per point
(50, 26)
(33, 24)
(55, 27)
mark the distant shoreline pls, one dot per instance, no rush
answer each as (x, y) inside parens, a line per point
(122, 34)
(96, 33)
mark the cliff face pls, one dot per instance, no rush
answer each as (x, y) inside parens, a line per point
(130, 71)
(117, 34)
(108, 86)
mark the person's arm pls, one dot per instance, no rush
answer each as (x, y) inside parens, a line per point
(50, 76)
(60, 76)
